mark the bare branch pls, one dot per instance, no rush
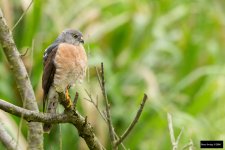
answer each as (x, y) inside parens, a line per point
(131, 126)
(174, 142)
(189, 145)
(113, 135)
(85, 121)
(70, 116)
(7, 140)
(84, 128)
(21, 17)
(172, 137)
(98, 76)
(35, 137)
(75, 100)
(32, 116)
(107, 106)
(178, 138)
(103, 115)
(25, 53)
(95, 104)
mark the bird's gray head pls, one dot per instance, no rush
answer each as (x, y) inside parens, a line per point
(70, 36)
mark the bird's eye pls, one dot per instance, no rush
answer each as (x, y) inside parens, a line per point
(75, 35)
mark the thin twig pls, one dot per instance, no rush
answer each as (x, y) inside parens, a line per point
(21, 17)
(32, 58)
(104, 115)
(75, 100)
(98, 76)
(85, 121)
(97, 100)
(95, 104)
(25, 53)
(189, 145)
(131, 126)
(117, 138)
(174, 142)
(107, 107)
(178, 138)
(172, 137)
(90, 99)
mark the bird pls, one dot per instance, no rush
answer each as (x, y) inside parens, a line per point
(64, 64)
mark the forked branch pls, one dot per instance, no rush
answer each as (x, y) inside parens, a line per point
(174, 141)
(107, 105)
(69, 116)
(115, 140)
(35, 136)
(131, 126)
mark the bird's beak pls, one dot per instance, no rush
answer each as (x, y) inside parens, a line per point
(81, 40)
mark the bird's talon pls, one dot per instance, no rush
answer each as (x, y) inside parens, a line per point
(69, 104)
(67, 94)
(68, 100)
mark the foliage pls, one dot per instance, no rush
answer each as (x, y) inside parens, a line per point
(170, 49)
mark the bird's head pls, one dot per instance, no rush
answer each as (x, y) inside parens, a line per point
(71, 36)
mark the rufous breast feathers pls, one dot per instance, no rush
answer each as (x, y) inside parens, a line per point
(71, 63)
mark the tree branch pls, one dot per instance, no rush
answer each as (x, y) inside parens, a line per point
(174, 142)
(189, 145)
(69, 116)
(21, 17)
(101, 79)
(35, 136)
(84, 128)
(90, 99)
(131, 126)
(32, 116)
(7, 140)
(115, 140)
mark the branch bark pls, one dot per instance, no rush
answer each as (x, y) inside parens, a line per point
(131, 126)
(35, 136)
(7, 139)
(84, 128)
(101, 79)
(115, 140)
(69, 116)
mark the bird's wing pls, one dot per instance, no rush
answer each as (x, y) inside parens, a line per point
(49, 71)
(49, 50)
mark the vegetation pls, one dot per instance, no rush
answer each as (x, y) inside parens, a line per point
(170, 49)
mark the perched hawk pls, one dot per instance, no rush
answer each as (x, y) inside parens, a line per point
(65, 63)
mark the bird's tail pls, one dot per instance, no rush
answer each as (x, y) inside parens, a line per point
(52, 103)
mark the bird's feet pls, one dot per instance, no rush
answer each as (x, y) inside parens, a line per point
(68, 100)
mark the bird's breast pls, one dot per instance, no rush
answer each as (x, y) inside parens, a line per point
(71, 63)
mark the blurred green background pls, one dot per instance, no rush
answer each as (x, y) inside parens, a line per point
(172, 50)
